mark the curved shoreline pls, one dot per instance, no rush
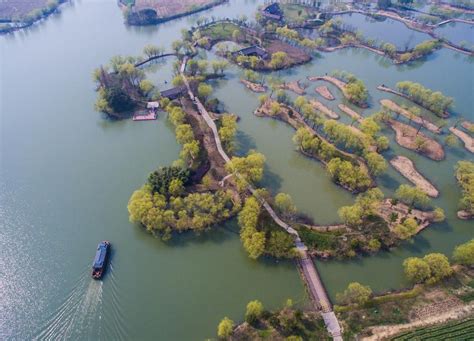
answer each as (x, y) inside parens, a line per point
(407, 168)
(351, 113)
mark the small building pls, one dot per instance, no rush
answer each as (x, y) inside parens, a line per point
(253, 51)
(273, 12)
(174, 93)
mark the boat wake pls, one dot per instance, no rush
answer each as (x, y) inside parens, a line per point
(80, 316)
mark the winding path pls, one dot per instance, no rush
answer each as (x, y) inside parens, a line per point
(310, 273)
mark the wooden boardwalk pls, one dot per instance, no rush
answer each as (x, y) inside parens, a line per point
(311, 276)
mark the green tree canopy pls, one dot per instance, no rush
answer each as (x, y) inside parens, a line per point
(355, 293)
(464, 253)
(225, 328)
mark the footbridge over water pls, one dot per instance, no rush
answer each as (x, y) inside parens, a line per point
(310, 274)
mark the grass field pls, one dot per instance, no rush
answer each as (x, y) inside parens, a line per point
(459, 331)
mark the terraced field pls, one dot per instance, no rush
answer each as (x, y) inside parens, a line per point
(459, 331)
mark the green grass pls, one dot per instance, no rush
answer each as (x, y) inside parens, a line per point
(221, 31)
(460, 330)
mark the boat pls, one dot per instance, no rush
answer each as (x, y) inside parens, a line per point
(100, 259)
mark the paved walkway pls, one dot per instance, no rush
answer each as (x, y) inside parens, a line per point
(315, 286)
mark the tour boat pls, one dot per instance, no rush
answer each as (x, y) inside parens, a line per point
(100, 260)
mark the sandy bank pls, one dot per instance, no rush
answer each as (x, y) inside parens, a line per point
(407, 168)
(353, 114)
(253, 86)
(324, 109)
(469, 126)
(406, 136)
(293, 86)
(465, 138)
(417, 119)
(324, 92)
(338, 83)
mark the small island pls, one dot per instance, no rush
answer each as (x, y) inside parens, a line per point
(407, 168)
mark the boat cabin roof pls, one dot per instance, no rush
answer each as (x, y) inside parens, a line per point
(99, 258)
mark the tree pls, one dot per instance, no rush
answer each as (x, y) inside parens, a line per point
(284, 203)
(374, 245)
(406, 229)
(356, 92)
(355, 293)
(204, 90)
(451, 140)
(254, 311)
(280, 245)
(278, 59)
(176, 187)
(300, 101)
(275, 108)
(351, 215)
(152, 51)
(225, 328)
(412, 196)
(369, 126)
(464, 253)
(439, 214)
(416, 270)
(439, 266)
(376, 163)
(146, 86)
(248, 169)
(184, 134)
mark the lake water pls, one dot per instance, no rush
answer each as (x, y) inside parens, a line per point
(384, 30)
(457, 32)
(67, 174)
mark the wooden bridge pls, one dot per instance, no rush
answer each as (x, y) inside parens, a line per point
(311, 276)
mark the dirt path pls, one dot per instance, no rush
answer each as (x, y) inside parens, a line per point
(465, 138)
(417, 119)
(353, 114)
(324, 109)
(442, 315)
(407, 136)
(407, 168)
(253, 86)
(324, 92)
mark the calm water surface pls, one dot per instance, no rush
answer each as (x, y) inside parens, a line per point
(67, 174)
(384, 30)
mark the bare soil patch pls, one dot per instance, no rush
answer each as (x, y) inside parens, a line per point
(324, 109)
(407, 136)
(294, 86)
(324, 92)
(296, 56)
(353, 114)
(406, 167)
(465, 138)
(254, 86)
